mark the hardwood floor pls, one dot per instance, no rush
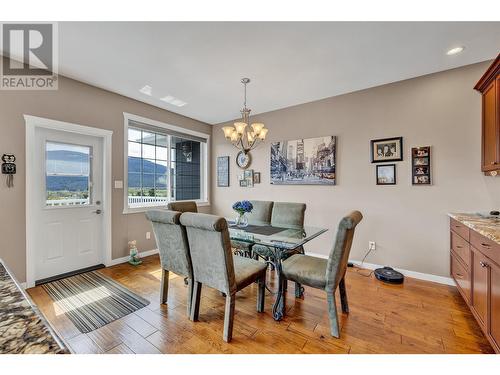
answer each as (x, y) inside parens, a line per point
(416, 317)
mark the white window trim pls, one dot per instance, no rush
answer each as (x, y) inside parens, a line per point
(127, 117)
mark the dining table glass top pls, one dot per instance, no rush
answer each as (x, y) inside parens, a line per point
(285, 238)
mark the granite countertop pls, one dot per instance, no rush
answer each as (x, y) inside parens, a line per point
(488, 227)
(23, 329)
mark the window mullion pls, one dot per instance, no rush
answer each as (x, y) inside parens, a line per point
(169, 177)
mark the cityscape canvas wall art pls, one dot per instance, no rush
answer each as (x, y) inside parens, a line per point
(310, 161)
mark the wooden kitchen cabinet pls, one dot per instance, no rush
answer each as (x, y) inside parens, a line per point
(489, 87)
(495, 303)
(480, 287)
(475, 267)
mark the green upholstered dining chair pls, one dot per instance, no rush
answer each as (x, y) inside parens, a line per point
(326, 274)
(173, 247)
(284, 215)
(183, 206)
(260, 215)
(215, 266)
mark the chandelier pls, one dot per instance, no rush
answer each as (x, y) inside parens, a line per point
(243, 135)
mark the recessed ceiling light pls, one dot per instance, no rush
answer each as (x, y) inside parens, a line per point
(455, 50)
(147, 90)
(174, 101)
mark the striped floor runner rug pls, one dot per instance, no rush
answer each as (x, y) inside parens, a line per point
(92, 300)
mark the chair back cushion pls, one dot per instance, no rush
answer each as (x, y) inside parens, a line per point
(210, 248)
(187, 206)
(172, 241)
(339, 255)
(261, 213)
(288, 215)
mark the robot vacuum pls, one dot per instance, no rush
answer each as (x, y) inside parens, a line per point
(389, 275)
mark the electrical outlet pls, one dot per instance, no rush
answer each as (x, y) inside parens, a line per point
(148, 235)
(372, 245)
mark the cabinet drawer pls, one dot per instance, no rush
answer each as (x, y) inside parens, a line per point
(460, 247)
(460, 229)
(488, 247)
(461, 277)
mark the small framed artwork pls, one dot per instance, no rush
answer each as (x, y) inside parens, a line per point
(248, 177)
(256, 177)
(421, 165)
(387, 149)
(386, 174)
(223, 171)
(243, 183)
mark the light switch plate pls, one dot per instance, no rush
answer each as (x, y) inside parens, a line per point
(118, 184)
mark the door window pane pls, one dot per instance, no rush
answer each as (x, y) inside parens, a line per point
(67, 174)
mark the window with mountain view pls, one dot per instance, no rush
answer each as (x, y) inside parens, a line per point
(67, 174)
(162, 167)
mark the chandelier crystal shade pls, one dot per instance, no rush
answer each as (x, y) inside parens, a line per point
(242, 135)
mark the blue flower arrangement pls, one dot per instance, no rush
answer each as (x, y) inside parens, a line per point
(243, 207)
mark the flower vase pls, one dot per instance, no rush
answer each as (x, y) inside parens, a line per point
(242, 220)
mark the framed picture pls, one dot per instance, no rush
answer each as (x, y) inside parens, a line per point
(248, 177)
(386, 174)
(243, 183)
(387, 149)
(421, 165)
(256, 177)
(310, 161)
(223, 171)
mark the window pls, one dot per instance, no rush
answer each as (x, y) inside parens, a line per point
(163, 164)
(67, 174)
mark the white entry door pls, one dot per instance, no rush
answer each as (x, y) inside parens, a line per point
(68, 175)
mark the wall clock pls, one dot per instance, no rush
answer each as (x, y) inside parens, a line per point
(243, 159)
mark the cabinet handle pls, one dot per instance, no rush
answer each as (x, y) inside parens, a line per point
(459, 275)
(483, 264)
(459, 247)
(485, 245)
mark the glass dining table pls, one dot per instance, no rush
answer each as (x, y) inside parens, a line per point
(280, 243)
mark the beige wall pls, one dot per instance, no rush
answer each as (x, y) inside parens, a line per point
(409, 223)
(78, 103)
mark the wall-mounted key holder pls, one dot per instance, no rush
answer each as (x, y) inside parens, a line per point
(9, 168)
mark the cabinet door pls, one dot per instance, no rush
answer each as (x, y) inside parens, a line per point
(480, 286)
(495, 303)
(490, 129)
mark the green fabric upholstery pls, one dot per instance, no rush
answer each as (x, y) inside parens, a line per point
(214, 265)
(172, 241)
(288, 215)
(260, 215)
(187, 206)
(284, 215)
(306, 270)
(327, 274)
(173, 246)
(212, 257)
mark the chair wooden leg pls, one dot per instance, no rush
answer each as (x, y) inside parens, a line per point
(261, 294)
(189, 301)
(164, 286)
(343, 296)
(229, 317)
(299, 290)
(332, 314)
(195, 301)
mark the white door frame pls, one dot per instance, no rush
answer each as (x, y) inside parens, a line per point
(32, 123)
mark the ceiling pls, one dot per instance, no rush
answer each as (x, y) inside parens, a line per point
(201, 63)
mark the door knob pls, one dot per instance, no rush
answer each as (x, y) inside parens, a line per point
(98, 212)
(483, 264)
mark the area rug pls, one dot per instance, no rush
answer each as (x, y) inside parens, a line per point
(92, 300)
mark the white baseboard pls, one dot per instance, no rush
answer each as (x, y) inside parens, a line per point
(125, 259)
(408, 273)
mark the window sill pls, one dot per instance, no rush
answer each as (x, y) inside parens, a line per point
(137, 210)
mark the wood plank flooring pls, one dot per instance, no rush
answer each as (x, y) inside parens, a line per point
(416, 317)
